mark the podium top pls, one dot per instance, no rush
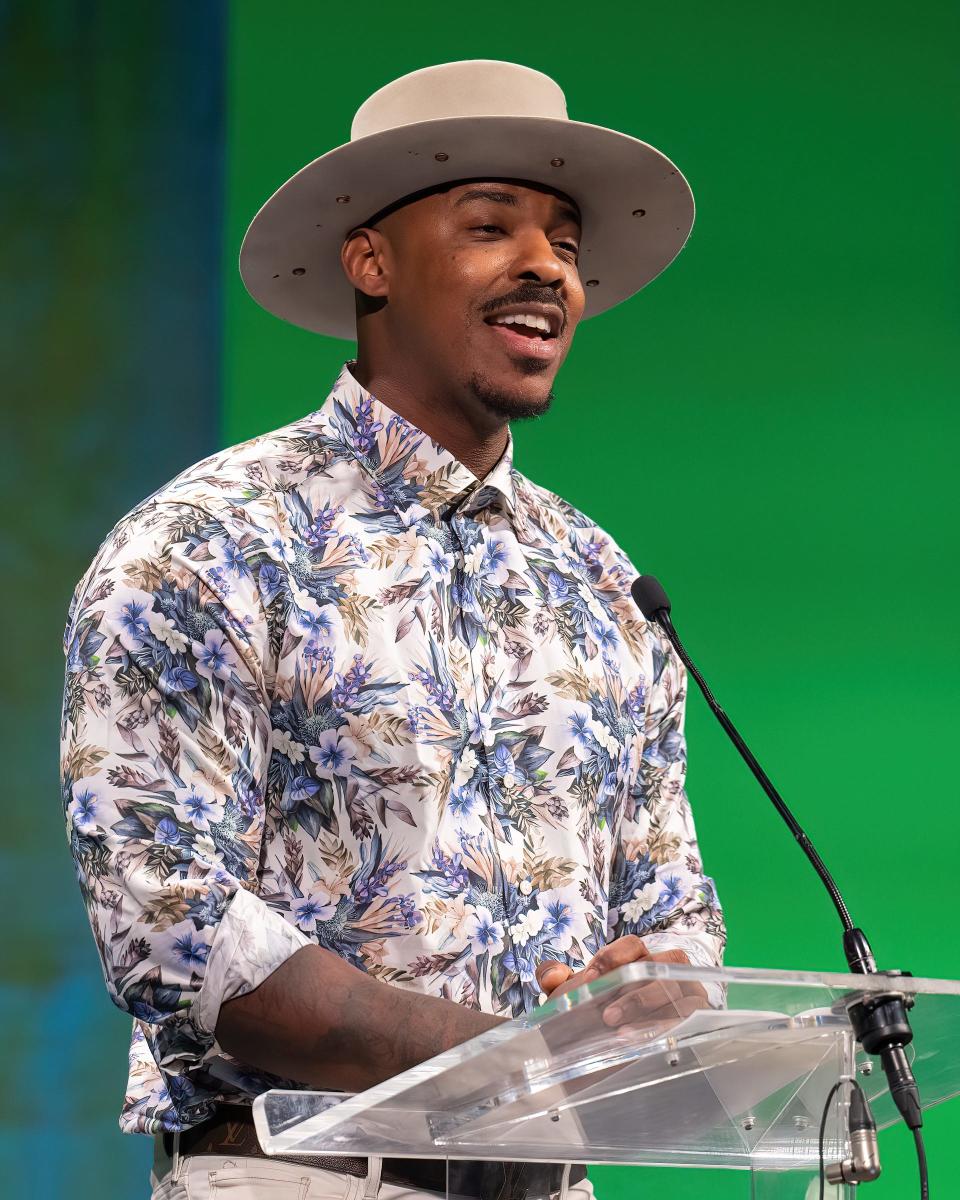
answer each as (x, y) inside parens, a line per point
(737, 1084)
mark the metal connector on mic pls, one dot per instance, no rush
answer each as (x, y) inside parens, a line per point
(880, 1022)
(863, 1164)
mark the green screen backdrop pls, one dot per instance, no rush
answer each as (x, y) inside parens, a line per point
(770, 427)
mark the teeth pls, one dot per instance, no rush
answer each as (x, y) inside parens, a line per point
(528, 319)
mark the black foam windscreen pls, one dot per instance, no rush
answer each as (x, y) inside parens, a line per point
(649, 596)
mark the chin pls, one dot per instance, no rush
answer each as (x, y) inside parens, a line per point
(508, 400)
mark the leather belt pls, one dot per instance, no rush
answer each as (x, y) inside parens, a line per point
(231, 1131)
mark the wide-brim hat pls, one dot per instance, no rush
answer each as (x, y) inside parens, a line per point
(479, 118)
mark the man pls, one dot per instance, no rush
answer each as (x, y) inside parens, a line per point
(362, 729)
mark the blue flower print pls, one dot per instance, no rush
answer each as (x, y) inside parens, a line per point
(189, 952)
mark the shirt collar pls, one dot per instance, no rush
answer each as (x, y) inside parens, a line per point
(409, 467)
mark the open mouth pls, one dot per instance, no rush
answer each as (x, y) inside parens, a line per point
(543, 321)
(531, 334)
(525, 330)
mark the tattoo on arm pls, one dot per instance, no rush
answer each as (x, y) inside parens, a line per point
(321, 1021)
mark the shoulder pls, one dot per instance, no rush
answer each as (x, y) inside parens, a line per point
(233, 492)
(600, 559)
(593, 543)
(211, 522)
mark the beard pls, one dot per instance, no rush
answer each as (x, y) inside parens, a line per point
(505, 404)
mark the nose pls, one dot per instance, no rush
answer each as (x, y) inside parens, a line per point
(537, 262)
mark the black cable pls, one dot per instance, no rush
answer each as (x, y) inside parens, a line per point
(823, 1130)
(922, 1165)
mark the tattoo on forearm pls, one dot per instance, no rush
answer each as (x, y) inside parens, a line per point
(319, 1020)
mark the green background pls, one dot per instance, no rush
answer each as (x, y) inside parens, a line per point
(770, 427)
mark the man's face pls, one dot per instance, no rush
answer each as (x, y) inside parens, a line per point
(458, 262)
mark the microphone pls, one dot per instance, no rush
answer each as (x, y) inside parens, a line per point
(652, 601)
(879, 1021)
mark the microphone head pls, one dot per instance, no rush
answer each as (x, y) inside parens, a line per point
(649, 596)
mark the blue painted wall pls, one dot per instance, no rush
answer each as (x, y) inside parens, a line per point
(111, 184)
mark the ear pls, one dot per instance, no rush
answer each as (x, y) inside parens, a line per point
(364, 259)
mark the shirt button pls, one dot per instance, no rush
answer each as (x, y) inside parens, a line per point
(526, 887)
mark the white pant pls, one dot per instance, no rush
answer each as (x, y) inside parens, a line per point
(209, 1176)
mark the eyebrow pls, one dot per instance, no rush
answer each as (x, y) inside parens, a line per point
(510, 198)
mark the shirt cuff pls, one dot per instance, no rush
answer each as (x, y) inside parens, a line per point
(700, 949)
(251, 942)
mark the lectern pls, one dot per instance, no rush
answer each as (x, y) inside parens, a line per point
(758, 1082)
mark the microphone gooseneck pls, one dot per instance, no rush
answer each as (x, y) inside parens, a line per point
(652, 601)
(879, 1021)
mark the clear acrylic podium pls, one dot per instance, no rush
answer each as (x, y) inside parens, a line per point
(740, 1085)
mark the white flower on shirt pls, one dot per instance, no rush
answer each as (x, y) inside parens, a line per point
(593, 605)
(164, 630)
(465, 767)
(473, 561)
(643, 900)
(283, 742)
(604, 737)
(527, 927)
(204, 847)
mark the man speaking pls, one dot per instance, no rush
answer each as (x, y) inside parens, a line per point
(365, 743)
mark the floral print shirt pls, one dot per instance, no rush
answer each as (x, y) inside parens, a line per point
(326, 686)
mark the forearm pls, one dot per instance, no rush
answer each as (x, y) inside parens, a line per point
(321, 1021)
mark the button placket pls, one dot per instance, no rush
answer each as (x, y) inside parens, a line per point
(459, 524)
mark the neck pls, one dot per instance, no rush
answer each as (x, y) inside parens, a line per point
(473, 435)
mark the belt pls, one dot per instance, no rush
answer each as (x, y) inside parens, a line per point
(231, 1131)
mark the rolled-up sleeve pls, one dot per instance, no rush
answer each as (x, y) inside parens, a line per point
(164, 754)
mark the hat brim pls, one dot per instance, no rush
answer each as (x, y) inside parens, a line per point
(636, 206)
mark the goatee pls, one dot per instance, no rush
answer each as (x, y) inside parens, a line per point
(505, 404)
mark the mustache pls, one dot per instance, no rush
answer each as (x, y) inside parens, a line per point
(528, 296)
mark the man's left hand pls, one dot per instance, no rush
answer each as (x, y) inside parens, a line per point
(635, 1003)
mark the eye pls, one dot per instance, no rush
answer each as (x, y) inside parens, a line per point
(568, 246)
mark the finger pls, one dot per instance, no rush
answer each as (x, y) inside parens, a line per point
(551, 974)
(647, 989)
(675, 987)
(670, 956)
(683, 1008)
(634, 1003)
(696, 989)
(670, 1013)
(577, 979)
(618, 953)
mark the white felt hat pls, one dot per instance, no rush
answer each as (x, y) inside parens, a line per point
(480, 118)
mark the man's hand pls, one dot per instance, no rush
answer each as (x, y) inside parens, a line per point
(635, 1003)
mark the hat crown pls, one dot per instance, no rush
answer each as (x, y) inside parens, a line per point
(478, 87)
